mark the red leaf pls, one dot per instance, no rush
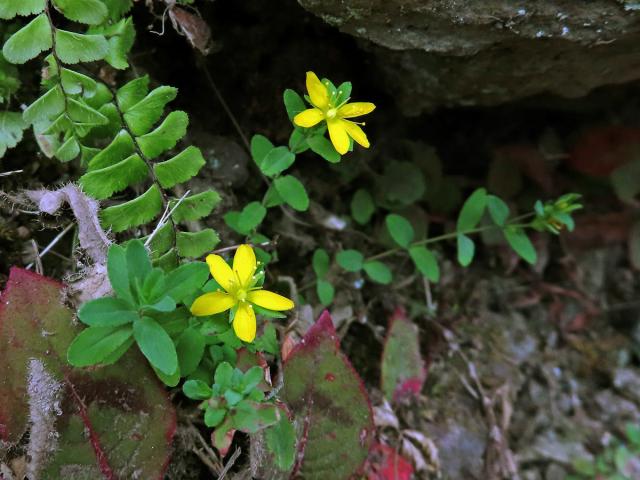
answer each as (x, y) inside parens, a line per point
(330, 404)
(122, 408)
(387, 464)
(403, 369)
(599, 151)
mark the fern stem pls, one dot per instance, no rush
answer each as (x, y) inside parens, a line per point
(148, 163)
(56, 59)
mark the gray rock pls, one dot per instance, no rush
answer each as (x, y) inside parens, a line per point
(466, 52)
(627, 381)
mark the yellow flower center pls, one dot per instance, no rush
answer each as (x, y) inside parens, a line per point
(241, 294)
(331, 113)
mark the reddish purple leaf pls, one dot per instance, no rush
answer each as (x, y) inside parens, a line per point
(385, 463)
(331, 407)
(112, 422)
(403, 369)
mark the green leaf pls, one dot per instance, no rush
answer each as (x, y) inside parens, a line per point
(251, 216)
(425, 261)
(138, 262)
(268, 341)
(402, 362)
(90, 12)
(260, 147)
(323, 147)
(107, 312)
(135, 212)
(186, 280)
(120, 148)
(29, 41)
(298, 141)
(132, 92)
(401, 184)
(164, 137)
(472, 210)
(252, 378)
(498, 210)
(293, 103)
(69, 150)
(378, 272)
(293, 192)
(94, 344)
(196, 244)
(362, 206)
(119, 272)
(83, 114)
(11, 8)
(142, 116)
(156, 345)
(11, 128)
(400, 230)
(9, 79)
(272, 198)
(276, 161)
(223, 376)
(180, 168)
(325, 292)
(75, 83)
(164, 305)
(214, 416)
(466, 250)
(74, 47)
(350, 260)
(196, 206)
(121, 37)
(49, 105)
(519, 241)
(281, 442)
(197, 390)
(320, 262)
(625, 181)
(103, 183)
(190, 349)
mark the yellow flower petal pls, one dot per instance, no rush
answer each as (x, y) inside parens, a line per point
(221, 271)
(244, 322)
(270, 300)
(308, 118)
(338, 135)
(317, 91)
(244, 263)
(356, 133)
(211, 303)
(355, 109)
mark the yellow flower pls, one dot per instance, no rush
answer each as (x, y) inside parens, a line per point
(325, 109)
(239, 292)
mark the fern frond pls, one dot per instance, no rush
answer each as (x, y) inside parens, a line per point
(133, 213)
(103, 183)
(165, 136)
(180, 168)
(196, 244)
(196, 206)
(142, 116)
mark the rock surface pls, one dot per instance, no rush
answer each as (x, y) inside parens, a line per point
(464, 52)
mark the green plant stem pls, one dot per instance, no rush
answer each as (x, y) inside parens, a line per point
(451, 235)
(56, 59)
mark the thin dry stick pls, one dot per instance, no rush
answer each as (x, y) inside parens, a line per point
(50, 246)
(12, 172)
(165, 218)
(230, 463)
(38, 262)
